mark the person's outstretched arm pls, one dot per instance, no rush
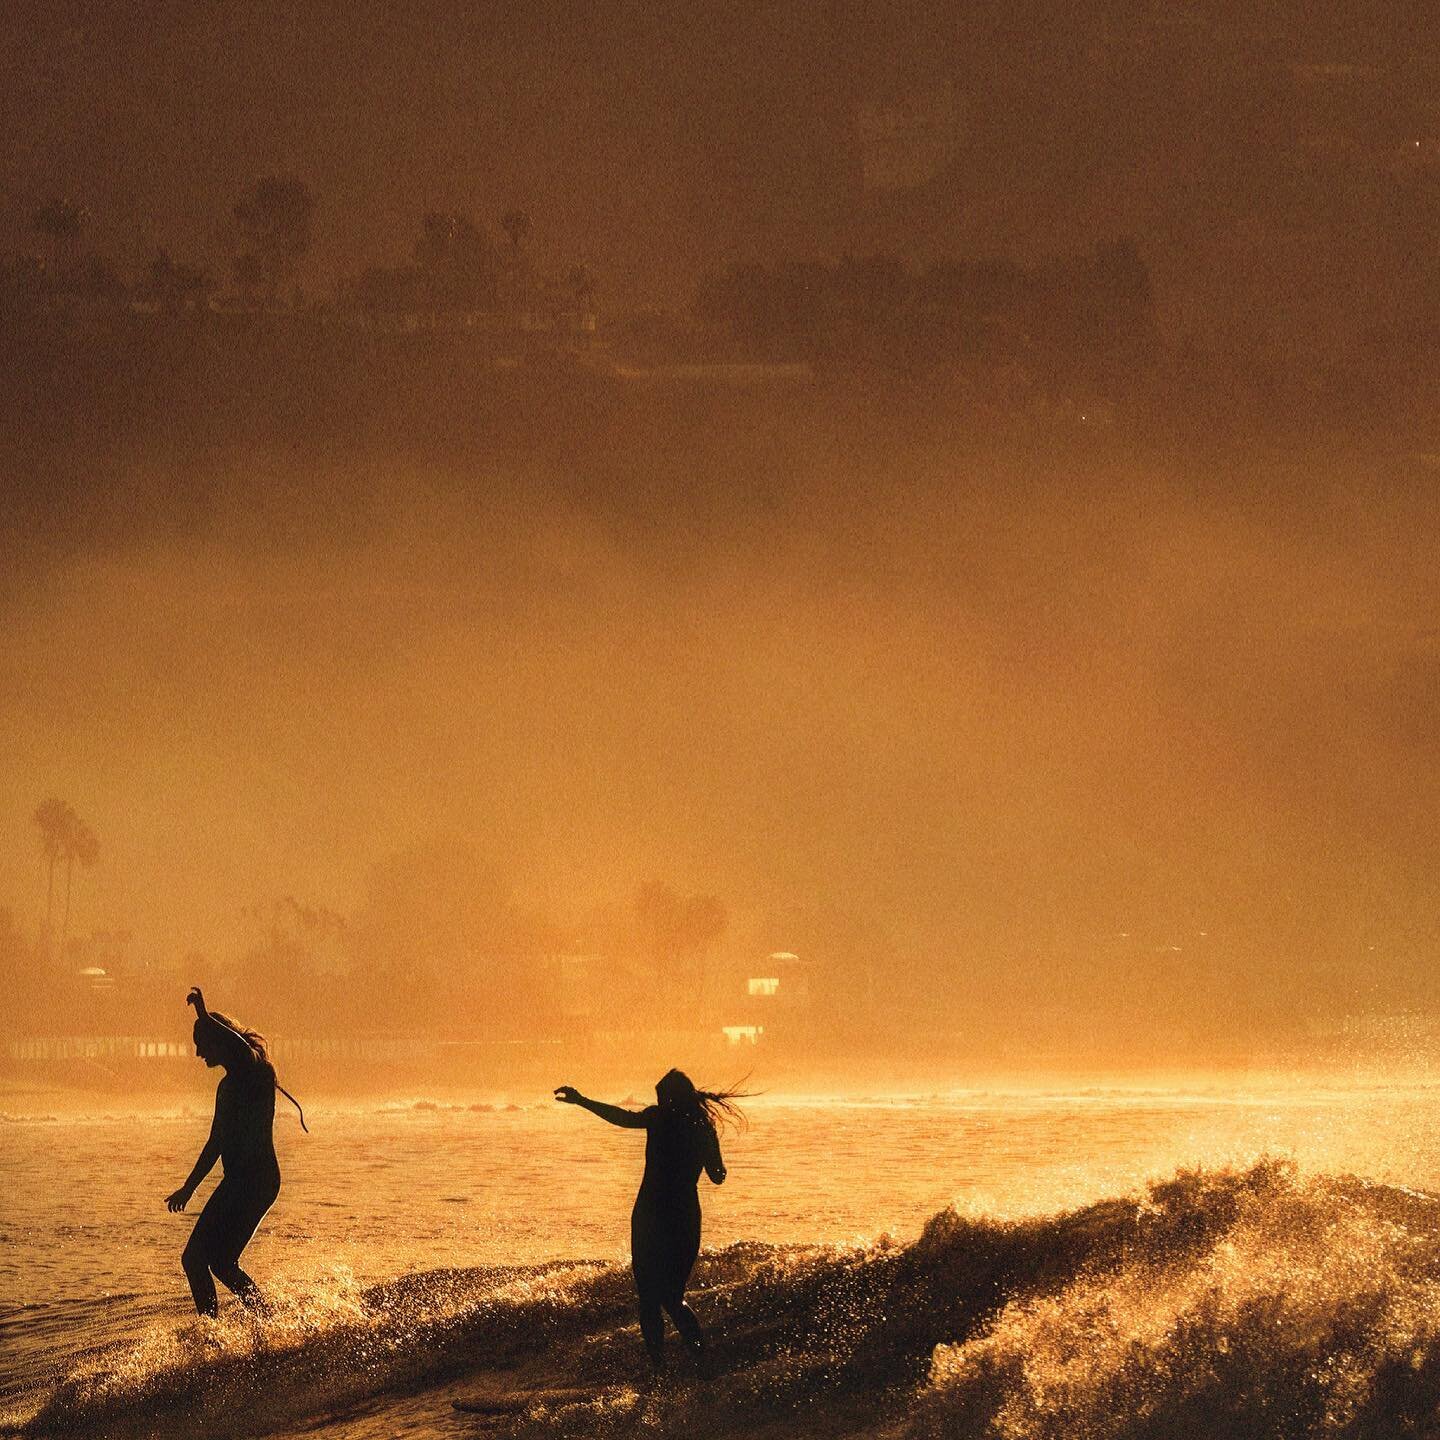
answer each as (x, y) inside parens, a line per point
(615, 1114)
(203, 1166)
(235, 1045)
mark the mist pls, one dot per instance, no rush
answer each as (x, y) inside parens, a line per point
(1088, 728)
(862, 571)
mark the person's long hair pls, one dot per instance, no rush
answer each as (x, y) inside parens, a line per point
(258, 1043)
(715, 1108)
(253, 1038)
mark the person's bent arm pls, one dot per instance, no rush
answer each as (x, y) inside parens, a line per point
(235, 1047)
(714, 1165)
(614, 1114)
(203, 1166)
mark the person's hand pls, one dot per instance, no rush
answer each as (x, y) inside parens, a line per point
(179, 1200)
(196, 999)
(567, 1094)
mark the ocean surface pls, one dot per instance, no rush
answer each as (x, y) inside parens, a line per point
(1107, 1260)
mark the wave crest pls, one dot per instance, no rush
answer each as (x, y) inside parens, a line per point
(1252, 1304)
(1229, 1303)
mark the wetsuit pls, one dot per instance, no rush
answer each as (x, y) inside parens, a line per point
(665, 1223)
(241, 1133)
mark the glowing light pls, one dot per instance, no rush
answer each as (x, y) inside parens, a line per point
(743, 1034)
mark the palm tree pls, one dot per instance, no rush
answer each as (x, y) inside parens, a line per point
(516, 292)
(273, 218)
(54, 819)
(61, 221)
(84, 847)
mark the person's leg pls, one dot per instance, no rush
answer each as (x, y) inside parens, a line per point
(645, 1261)
(234, 1279)
(198, 1250)
(652, 1327)
(197, 1272)
(686, 1323)
(652, 1317)
(679, 1263)
(242, 1220)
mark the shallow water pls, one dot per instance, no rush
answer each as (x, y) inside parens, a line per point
(90, 1256)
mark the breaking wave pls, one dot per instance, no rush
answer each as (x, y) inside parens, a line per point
(1230, 1304)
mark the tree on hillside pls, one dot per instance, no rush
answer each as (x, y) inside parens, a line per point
(273, 217)
(81, 845)
(380, 288)
(61, 222)
(175, 286)
(23, 982)
(96, 278)
(64, 836)
(424, 936)
(383, 289)
(457, 262)
(517, 282)
(439, 943)
(675, 932)
(52, 818)
(299, 955)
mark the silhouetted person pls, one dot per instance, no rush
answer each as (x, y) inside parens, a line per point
(681, 1139)
(241, 1138)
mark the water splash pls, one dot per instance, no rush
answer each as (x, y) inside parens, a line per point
(1224, 1304)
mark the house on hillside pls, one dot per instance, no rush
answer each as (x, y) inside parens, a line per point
(768, 1000)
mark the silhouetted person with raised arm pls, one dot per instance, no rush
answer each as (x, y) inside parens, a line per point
(241, 1138)
(681, 1139)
